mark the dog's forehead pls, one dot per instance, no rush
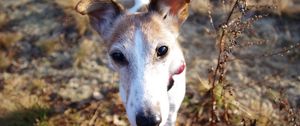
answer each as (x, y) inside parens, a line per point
(150, 25)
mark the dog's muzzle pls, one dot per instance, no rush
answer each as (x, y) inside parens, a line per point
(148, 118)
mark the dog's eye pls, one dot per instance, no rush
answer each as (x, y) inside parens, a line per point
(161, 51)
(118, 57)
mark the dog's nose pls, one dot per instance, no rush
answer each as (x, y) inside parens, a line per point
(148, 119)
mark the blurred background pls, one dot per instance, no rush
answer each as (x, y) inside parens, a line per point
(53, 68)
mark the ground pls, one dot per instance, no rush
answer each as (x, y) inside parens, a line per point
(53, 68)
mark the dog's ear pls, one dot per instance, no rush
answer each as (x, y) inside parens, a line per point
(102, 14)
(176, 10)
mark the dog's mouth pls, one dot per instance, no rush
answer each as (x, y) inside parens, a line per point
(171, 83)
(171, 79)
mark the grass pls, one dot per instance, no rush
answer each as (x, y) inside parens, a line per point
(18, 106)
(8, 39)
(86, 49)
(4, 61)
(3, 19)
(50, 45)
(26, 116)
(230, 34)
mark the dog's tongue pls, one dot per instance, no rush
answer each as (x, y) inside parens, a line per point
(177, 68)
(180, 69)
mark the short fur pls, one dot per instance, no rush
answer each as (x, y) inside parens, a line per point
(145, 77)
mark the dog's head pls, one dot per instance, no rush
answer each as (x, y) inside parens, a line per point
(143, 49)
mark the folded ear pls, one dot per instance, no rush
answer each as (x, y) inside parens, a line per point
(102, 14)
(176, 9)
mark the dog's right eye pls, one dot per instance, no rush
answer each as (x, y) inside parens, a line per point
(162, 51)
(118, 57)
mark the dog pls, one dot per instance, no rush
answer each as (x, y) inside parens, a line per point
(142, 48)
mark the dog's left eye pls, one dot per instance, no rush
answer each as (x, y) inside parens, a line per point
(161, 51)
(118, 57)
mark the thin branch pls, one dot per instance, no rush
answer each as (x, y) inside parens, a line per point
(221, 50)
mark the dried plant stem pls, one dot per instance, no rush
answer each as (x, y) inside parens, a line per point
(211, 19)
(219, 63)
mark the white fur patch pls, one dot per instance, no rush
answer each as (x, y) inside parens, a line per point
(144, 81)
(138, 4)
(137, 69)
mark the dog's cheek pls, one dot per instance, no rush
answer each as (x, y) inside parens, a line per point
(123, 94)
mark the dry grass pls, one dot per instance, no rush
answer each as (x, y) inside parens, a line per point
(3, 19)
(4, 61)
(282, 6)
(8, 39)
(86, 49)
(50, 45)
(18, 107)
